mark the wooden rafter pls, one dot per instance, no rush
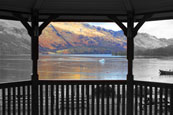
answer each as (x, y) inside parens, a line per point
(24, 22)
(141, 22)
(46, 22)
(119, 23)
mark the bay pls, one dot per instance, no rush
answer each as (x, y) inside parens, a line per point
(83, 67)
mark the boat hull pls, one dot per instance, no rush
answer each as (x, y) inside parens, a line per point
(162, 72)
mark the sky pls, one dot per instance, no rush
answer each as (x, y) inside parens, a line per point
(160, 29)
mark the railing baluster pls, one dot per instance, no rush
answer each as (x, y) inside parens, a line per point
(28, 99)
(113, 99)
(83, 99)
(103, 99)
(14, 100)
(118, 99)
(62, 99)
(161, 101)
(156, 98)
(93, 100)
(136, 100)
(57, 99)
(67, 99)
(3, 102)
(72, 99)
(123, 99)
(140, 106)
(24, 99)
(171, 101)
(77, 99)
(150, 100)
(9, 101)
(52, 99)
(88, 100)
(166, 100)
(108, 94)
(18, 96)
(46, 99)
(97, 98)
(41, 99)
(145, 101)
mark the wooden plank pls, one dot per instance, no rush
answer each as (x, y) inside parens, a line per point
(88, 99)
(67, 99)
(3, 101)
(113, 99)
(140, 98)
(97, 98)
(83, 96)
(28, 99)
(62, 99)
(77, 100)
(46, 100)
(123, 99)
(24, 100)
(14, 100)
(57, 99)
(18, 97)
(52, 99)
(146, 101)
(9, 101)
(150, 100)
(72, 99)
(103, 99)
(41, 99)
(107, 103)
(118, 99)
(136, 100)
(166, 100)
(161, 101)
(93, 100)
(156, 98)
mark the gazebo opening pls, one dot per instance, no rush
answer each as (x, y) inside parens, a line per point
(82, 51)
(15, 52)
(153, 52)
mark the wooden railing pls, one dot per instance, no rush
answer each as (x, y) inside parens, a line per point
(87, 97)
(15, 98)
(152, 98)
(82, 97)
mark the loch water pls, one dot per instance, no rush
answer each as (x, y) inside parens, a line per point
(83, 67)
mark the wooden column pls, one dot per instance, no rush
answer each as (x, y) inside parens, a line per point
(34, 56)
(34, 30)
(130, 57)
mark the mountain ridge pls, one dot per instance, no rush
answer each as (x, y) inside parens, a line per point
(72, 37)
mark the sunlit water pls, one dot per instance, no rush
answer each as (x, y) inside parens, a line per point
(100, 67)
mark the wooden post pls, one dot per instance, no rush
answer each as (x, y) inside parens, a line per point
(130, 57)
(35, 56)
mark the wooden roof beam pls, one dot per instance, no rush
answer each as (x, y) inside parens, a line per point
(46, 22)
(141, 22)
(119, 23)
(24, 22)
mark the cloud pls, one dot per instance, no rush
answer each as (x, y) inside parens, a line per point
(107, 25)
(160, 29)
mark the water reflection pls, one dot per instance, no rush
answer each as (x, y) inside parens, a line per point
(82, 67)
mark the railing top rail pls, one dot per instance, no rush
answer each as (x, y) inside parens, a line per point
(15, 84)
(154, 84)
(82, 82)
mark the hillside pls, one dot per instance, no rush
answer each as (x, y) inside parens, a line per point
(72, 37)
(67, 37)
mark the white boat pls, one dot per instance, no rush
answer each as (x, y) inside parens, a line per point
(102, 60)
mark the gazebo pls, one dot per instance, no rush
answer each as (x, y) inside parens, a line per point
(75, 97)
